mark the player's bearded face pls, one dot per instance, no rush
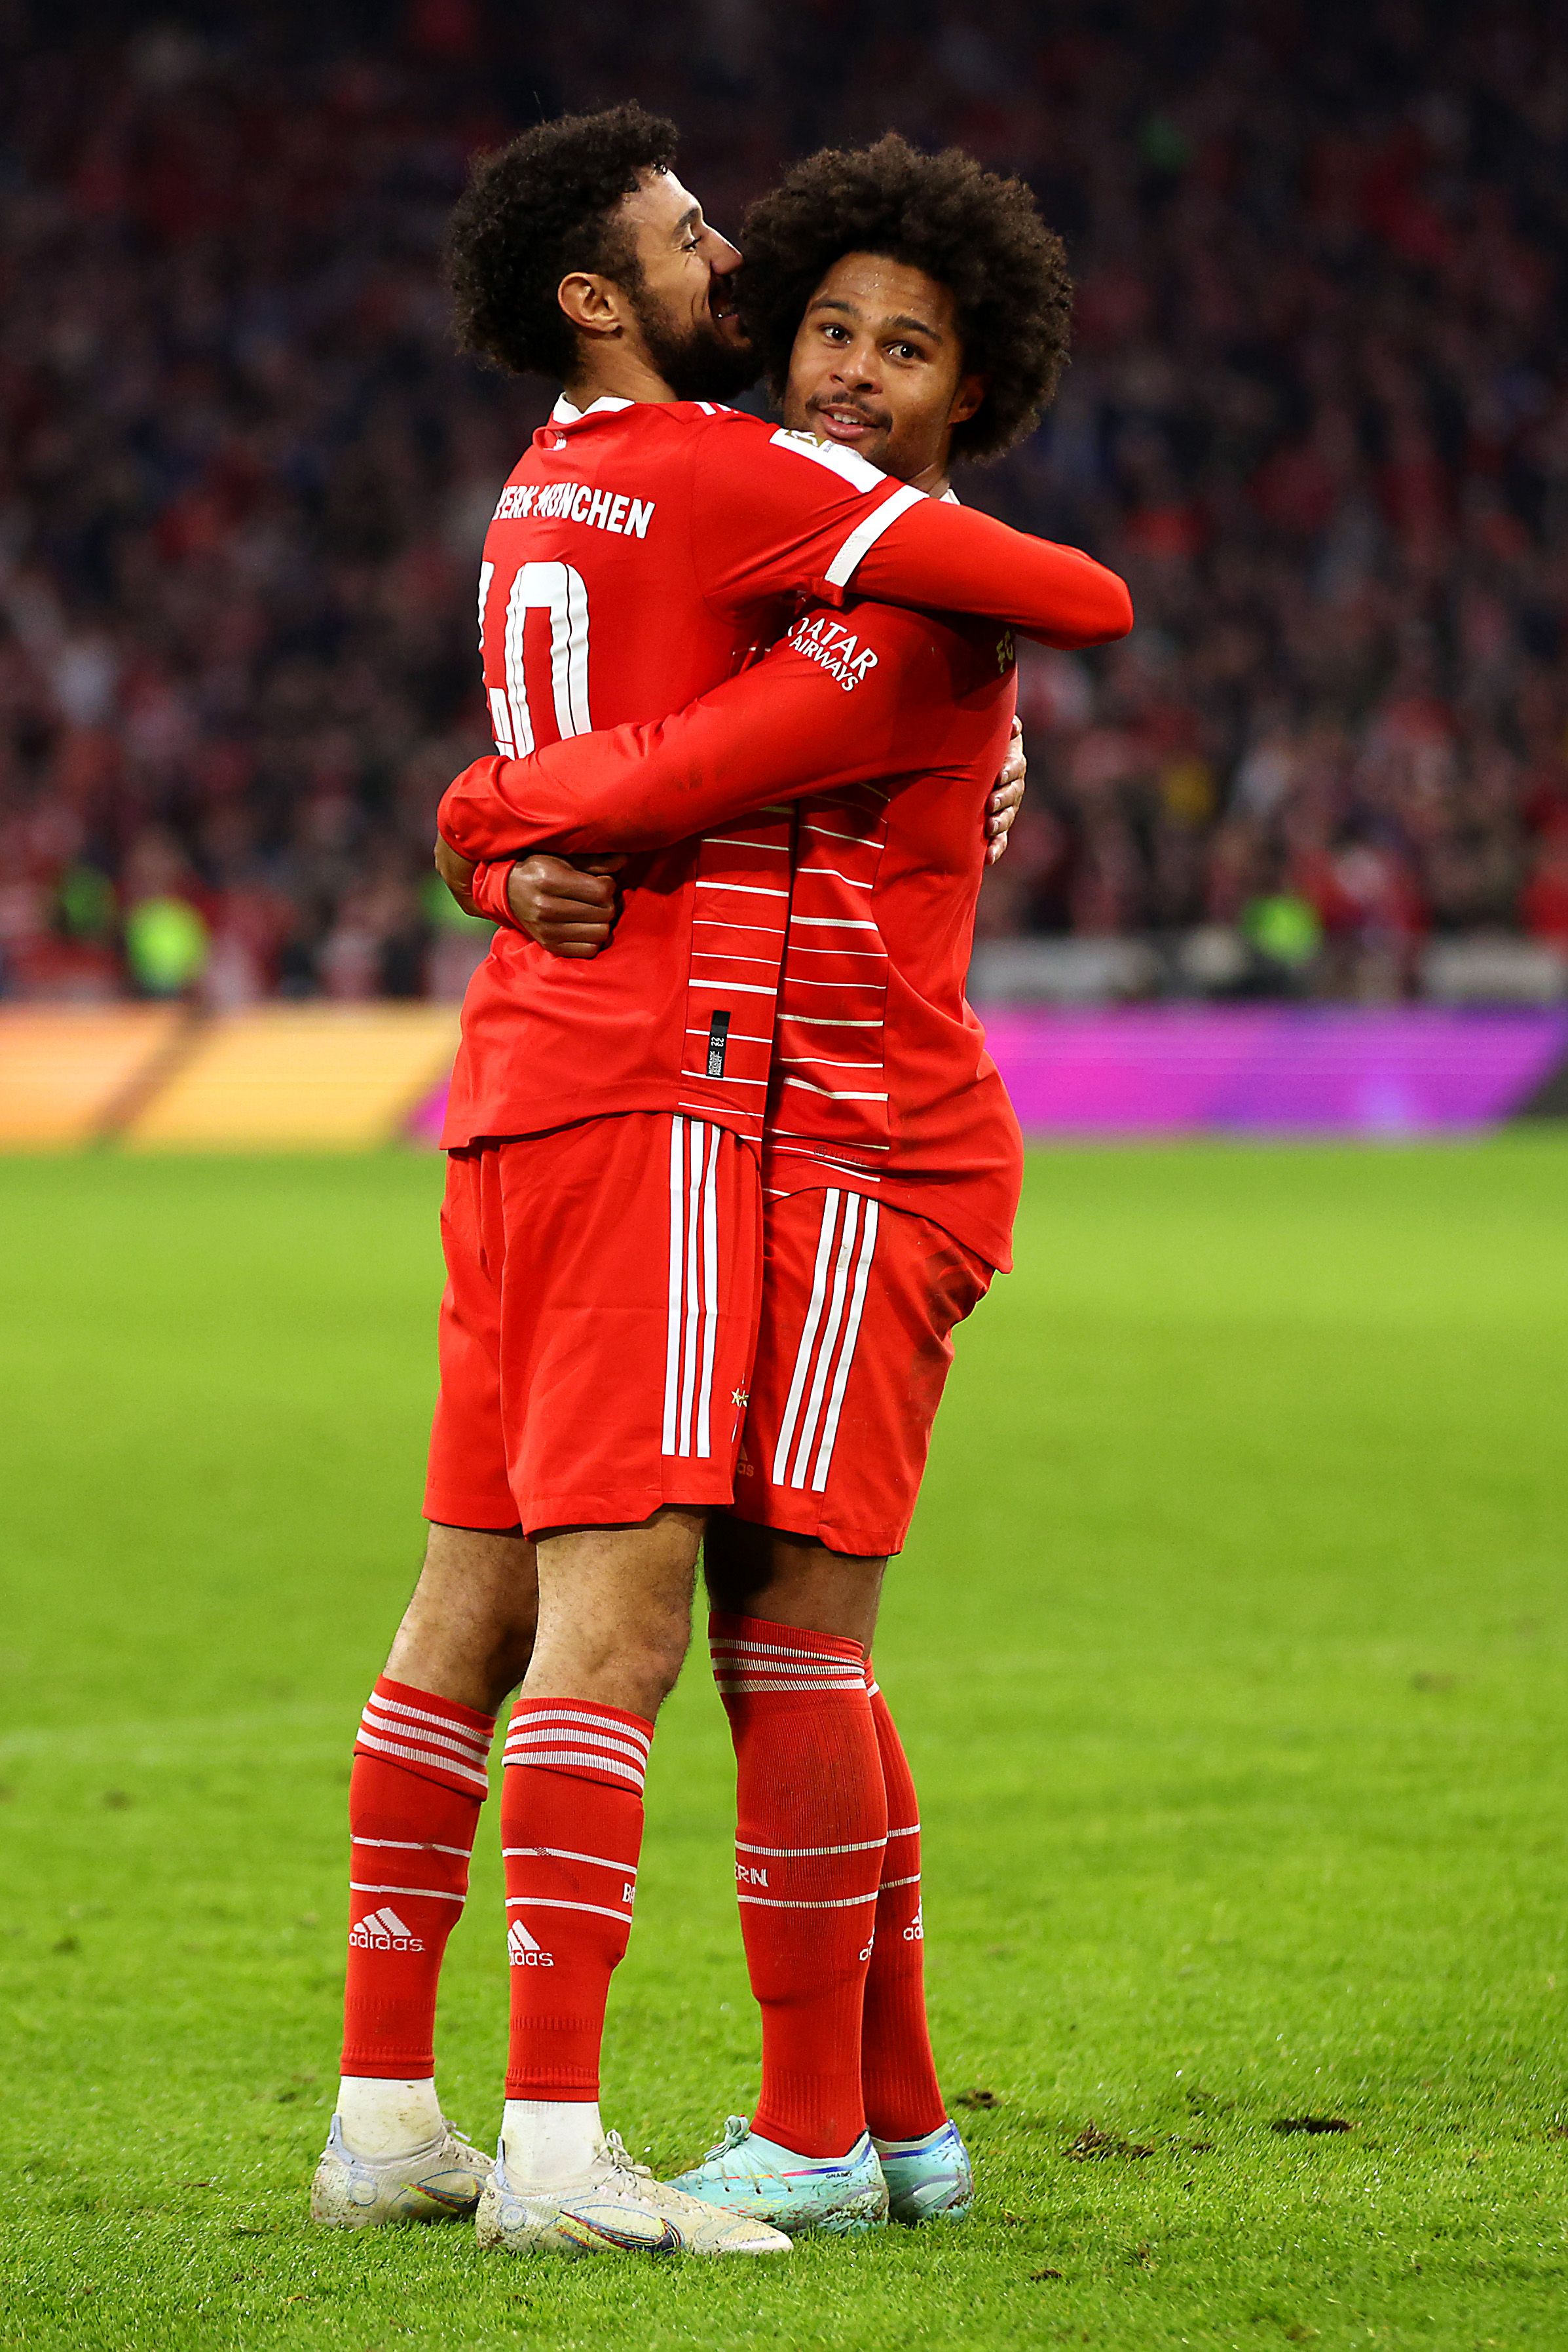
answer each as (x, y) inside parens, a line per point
(683, 299)
(878, 367)
(695, 354)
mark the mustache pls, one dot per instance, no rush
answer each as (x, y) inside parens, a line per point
(850, 408)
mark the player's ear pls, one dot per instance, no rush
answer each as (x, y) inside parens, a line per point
(593, 303)
(971, 391)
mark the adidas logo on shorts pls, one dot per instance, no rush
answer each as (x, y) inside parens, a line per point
(523, 1952)
(383, 1931)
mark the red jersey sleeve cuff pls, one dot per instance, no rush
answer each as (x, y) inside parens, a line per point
(487, 889)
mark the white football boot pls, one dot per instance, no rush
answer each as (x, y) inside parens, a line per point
(440, 2182)
(617, 2207)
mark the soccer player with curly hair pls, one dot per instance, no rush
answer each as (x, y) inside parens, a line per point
(909, 310)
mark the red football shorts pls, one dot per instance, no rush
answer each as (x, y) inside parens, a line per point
(598, 1323)
(859, 1301)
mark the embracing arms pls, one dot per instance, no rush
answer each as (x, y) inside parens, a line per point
(785, 727)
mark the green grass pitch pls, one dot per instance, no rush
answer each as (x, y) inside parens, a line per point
(1229, 1651)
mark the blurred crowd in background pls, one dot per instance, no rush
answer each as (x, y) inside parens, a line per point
(1317, 414)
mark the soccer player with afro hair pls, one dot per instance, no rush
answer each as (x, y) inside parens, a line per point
(977, 234)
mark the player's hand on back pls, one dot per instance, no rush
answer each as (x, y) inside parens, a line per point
(1006, 797)
(570, 910)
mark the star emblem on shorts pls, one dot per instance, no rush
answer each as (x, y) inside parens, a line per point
(739, 1396)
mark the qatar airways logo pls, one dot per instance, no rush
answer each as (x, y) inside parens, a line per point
(575, 502)
(838, 650)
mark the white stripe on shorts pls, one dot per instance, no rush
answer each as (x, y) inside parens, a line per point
(845, 1247)
(692, 1326)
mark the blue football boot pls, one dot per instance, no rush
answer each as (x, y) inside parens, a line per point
(750, 2175)
(929, 2179)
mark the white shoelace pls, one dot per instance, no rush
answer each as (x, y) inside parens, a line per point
(620, 2158)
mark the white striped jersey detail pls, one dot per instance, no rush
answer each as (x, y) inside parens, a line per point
(389, 1726)
(852, 554)
(846, 1245)
(829, 1070)
(578, 1738)
(861, 476)
(742, 899)
(692, 1327)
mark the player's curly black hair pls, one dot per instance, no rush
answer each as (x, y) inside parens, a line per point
(980, 235)
(537, 209)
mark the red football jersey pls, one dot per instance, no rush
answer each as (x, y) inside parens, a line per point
(892, 726)
(640, 554)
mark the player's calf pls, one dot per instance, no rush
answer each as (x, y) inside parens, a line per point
(809, 1834)
(418, 1782)
(903, 2102)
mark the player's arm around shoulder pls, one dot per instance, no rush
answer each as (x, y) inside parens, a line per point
(883, 658)
(776, 513)
(774, 510)
(864, 695)
(846, 696)
(828, 704)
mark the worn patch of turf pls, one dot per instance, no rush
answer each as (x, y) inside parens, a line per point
(1230, 1651)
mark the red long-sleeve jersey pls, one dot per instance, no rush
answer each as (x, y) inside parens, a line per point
(888, 728)
(640, 554)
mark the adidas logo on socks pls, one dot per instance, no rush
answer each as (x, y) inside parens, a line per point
(522, 1950)
(383, 1931)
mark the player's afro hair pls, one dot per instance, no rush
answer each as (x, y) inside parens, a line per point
(537, 209)
(980, 235)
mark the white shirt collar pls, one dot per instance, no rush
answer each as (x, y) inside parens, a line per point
(565, 412)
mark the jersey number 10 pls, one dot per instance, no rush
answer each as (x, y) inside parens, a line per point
(560, 591)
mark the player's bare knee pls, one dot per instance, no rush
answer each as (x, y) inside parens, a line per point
(644, 1660)
(663, 1653)
(628, 1657)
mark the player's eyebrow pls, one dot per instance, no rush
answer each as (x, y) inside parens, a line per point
(688, 219)
(908, 325)
(918, 327)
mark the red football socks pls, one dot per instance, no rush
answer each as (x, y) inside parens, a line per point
(572, 1830)
(898, 2074)
(811, 1825)
(414, 1795)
